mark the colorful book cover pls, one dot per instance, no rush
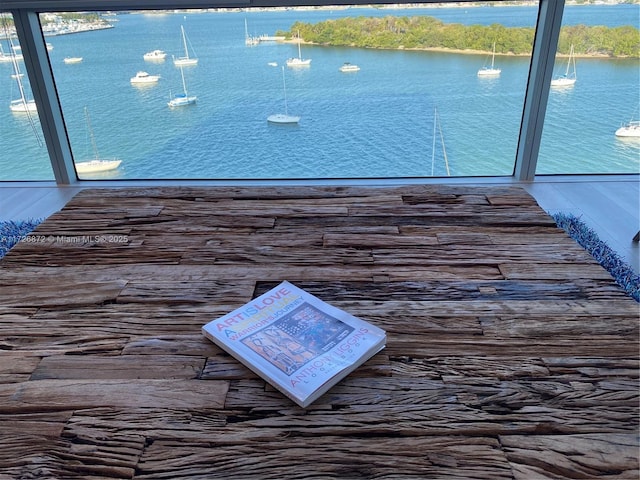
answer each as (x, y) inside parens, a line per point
(295, 341)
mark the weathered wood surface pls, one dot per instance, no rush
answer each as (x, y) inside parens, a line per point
(511, 354)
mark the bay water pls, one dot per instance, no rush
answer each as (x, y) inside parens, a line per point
(378, 122)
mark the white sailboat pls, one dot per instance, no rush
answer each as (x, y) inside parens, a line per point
(629, 130)
(186, 60)
(8, 57)
(490, 71)
(182, 99)
(96, 164)
(283, 118)
(249, 41)
(568, 79)
(22, 104)
(298, 61)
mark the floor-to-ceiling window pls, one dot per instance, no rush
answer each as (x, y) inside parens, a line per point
(386, 92)
(23, 153)
(594, 92)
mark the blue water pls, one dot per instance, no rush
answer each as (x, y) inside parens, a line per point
(378, 122)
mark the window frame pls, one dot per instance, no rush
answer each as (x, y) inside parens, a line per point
(26, 18)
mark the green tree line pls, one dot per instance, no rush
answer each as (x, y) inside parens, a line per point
(393, 32)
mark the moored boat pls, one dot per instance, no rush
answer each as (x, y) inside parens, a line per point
(298, 61)
(144, 78)
(182, 99)
(349, 67)
(23, 106)
(569, 77)
(155, 55)
(96, 164)
(631, 129)
(185, 60)
(284, 118)
(93, 166)
(490, 70)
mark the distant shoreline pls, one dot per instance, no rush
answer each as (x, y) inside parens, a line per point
(451, 50)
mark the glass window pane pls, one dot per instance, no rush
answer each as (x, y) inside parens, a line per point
(407, 111)
(601, 93)
(24, 154)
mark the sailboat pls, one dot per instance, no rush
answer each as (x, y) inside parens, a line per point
(569, 76)
(182, 99)
(283, 118)
(249, 41)
(491, 71)
(8, 57)
(631, 129)
(97, 164)
(186, 60)
(21, 105)
(298, 61)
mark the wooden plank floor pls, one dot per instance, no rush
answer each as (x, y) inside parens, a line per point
(511, 354)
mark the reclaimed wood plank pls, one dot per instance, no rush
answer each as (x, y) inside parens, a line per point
(30, 294)
(333, 457)
(78, 394)
(232, 273)
(575, 456)
(125, 367)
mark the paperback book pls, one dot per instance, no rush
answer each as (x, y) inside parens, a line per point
(298, 343)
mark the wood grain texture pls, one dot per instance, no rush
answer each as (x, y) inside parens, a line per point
(511, 354)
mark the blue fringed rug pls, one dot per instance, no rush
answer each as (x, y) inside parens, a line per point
(601, 252)
(12, 232)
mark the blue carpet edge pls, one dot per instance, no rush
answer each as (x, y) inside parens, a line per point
(11, 232)
(622, 272)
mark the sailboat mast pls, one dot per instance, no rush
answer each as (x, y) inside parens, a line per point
(573, 61)
(184, 84)
(91, 136)
(437, 125)
(433, 148)
(16, 69)
(493, 55)
(184, 41)
(444, 151)
(284, 87)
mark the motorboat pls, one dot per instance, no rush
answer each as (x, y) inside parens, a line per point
(155, 56)
(349, 67)
(144, 78)
(69, 60)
